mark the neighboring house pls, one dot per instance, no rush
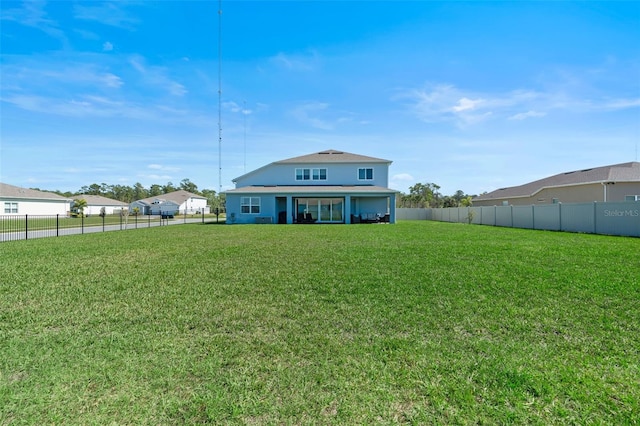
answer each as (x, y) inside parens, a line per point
(619, 182)
(95, 203)
(323, 187)
(22, 201)
(177, 202)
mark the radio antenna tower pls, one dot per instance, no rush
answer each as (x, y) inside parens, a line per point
(219, 97)
(244, 121)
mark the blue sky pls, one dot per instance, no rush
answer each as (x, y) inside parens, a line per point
(471, 96)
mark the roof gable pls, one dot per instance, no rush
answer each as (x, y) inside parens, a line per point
(323, 157)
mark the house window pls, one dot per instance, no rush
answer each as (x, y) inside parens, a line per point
(250, 205)
(311, 174)
(365, 173)
(319, 174)
(11, 208)
(632, 197)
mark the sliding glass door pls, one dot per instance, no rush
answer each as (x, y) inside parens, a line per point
(322, 210)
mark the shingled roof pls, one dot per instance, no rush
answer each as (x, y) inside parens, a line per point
(177, 197)
(332, 156)
(98, 200)
(10, 191)
(322, 157)
(624, 172)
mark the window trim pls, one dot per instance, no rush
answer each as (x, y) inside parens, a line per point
(10, 207)
(251, 203)
(365, 170)
(311, 174)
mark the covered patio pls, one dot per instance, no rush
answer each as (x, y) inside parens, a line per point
(323, 204)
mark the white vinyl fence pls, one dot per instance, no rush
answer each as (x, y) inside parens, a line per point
(622, 218)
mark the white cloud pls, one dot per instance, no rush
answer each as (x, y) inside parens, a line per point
(109, 13)
(156, 76)
(308, 114)
(32, 14)
(447, 103)
(622, 103)
(176, 89)
(296, 62)
(528, 114)
(112, 80)
(107, 47)
(404, 177)
(163, 168)
(156, 177)
(236, 108)
(466, 104)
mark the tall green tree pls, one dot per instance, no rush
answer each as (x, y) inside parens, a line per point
(425, 195)
(169, 187)
(93, 189)
(139, 193)
(122, 193)
(187, 185)
(155, 190)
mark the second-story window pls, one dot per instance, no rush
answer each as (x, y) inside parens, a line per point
(311, 174)
(365, 173)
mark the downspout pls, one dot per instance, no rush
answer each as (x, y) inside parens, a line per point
(604, 186)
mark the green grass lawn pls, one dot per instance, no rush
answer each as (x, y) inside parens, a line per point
(418, 322)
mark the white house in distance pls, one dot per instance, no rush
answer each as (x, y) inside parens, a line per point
(177, 202)
(324, 187)
(22, 201)
(95, 203)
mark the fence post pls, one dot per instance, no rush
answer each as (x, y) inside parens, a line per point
(533, 216)
(560, 216)
(82, 223)
(57, 225)
(26, 226)
(103, 223)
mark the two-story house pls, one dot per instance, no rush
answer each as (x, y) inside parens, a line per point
(325, 187)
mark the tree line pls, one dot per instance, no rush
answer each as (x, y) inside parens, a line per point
(128, 194)
(420, 194)
(428, 195)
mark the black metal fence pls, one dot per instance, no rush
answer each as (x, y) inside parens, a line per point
(25, 227)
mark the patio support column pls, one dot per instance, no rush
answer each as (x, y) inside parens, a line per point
(392, 208)
(289, 209)
(347, 209)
